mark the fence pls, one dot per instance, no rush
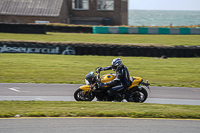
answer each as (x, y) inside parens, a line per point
(42, 29)
(145, 30)
(96, 49)
(23, 28)
(69, 29)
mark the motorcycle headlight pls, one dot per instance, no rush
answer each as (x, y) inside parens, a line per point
(87, 82)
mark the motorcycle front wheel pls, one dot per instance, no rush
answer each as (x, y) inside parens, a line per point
(79, 95)
(138, 96)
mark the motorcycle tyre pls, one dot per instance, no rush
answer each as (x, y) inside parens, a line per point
(144, 93)
(78, 91)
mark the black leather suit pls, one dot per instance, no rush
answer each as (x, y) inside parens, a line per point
(122, 78)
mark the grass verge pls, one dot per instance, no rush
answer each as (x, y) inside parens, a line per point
(170, 26)
(41, 68)
(128, 39)
(96, 109)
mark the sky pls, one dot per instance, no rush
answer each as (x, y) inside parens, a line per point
(165, 4)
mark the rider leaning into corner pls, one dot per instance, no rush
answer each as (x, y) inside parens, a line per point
(122, 79)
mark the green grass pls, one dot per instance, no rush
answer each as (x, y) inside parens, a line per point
(96, 109)
(43, 68)
(169, 26)
(129, 39)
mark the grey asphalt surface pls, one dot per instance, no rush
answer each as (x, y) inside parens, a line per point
(64, 92)
(98, 125)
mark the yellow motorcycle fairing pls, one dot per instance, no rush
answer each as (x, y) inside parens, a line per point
(104, 79)
(135, 82)
(107, 78)
(85, 88)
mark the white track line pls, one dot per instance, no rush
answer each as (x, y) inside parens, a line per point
(40, 99)
(17, 89)
(14, 89)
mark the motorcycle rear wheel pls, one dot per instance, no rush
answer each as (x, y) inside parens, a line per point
(138, 96)
(79, 95)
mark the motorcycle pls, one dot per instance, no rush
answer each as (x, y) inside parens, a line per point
(134, 93)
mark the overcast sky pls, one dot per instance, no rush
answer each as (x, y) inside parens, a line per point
(165, 4)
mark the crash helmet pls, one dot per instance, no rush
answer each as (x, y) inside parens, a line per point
(116, 63)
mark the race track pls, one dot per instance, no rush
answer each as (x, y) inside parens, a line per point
(97, 125)
(64, 92)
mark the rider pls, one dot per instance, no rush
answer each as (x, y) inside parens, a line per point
(122, 79)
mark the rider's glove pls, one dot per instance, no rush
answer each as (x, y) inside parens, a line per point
(99, 69)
